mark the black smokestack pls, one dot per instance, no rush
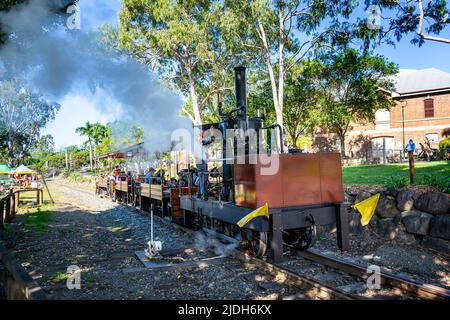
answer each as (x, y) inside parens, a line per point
(240, 86)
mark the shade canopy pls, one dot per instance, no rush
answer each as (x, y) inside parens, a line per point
(24, 170)
(4, 169)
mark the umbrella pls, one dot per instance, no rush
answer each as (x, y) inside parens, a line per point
(24, 170)
(4, 169)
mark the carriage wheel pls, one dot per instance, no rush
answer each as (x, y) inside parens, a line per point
(300, 239)
(255, 241)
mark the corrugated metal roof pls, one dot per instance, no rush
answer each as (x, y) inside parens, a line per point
(410, 80)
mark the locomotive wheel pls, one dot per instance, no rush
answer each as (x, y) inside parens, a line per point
(255, 241)
(300, 239)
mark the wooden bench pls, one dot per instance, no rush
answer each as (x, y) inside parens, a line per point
(102, 183)
(122, 186)
(152, 191)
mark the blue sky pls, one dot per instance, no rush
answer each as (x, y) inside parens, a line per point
(77, 109)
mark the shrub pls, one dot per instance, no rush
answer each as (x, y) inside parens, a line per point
(444, 147)
(440, 182)
(396, 182)
(77, 177)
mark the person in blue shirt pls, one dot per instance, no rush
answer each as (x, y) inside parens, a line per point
(410, 147)
(148, 178)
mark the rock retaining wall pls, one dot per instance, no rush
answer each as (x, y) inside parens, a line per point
(416, 217)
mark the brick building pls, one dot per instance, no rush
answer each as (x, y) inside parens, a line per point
(424, 97)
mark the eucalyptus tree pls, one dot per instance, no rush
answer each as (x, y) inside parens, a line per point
(23, 113)
(183, 40)
(350, 87)
(284, 32)
(426, 20)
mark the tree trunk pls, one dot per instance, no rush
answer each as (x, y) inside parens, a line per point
(194, 99)
(90, 152)
(281, 66)
(342, 140)
(10, 149)
(273, 82)
(95, 154)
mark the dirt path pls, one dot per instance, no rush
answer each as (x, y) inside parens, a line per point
(100, 237)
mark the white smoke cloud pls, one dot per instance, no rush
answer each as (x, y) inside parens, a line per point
(58, 62)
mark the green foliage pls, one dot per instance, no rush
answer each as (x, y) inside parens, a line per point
(444, 147)
(404, 20)
(396, 182)
(37, 221)
(77, 177)
(22, 114)
(182, 39)
(350, 86)
(440, 182)
(59, 277)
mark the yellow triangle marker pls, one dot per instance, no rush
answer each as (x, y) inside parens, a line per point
(367, 208)
(262, 211)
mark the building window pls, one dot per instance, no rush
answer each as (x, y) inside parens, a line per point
(429, 108)
(433, 137)
(382, 119)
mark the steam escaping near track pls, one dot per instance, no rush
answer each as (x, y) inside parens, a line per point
(56, 61)
(204, 242)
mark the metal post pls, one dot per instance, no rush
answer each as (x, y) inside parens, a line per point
(277, 241)
(342, 228)
(151, 222)
(403, 132)
(384, 150)
(412, 176)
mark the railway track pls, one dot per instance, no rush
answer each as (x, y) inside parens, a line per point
(401, 286)
(403, 283)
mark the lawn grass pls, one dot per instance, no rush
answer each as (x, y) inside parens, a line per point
(377, 174)
(37, 221)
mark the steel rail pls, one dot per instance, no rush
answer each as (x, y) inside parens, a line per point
(406, 284)
(310, 287)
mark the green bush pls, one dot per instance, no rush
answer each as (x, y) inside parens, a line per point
(444, 146)
(77, 177)
(396, 182)
(440, 182)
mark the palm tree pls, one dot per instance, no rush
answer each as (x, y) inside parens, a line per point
(87, 131)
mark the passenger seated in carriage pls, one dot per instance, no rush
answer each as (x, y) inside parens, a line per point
(149, 176)
(173, 183)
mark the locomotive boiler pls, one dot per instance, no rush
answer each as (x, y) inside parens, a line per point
(305, 190)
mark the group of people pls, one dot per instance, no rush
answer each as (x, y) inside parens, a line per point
(17, 180)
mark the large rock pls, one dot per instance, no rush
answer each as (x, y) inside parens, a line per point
(436, 244)
(387, 228)
(362, 196)
(416, 222)
(440, 227)
(391, 192)
(433, 202)
(386, 207)
(354, 222)
(405, 200)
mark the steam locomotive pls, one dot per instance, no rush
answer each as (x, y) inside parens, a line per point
(305, 190)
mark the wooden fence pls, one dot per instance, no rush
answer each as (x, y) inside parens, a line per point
(15, 282)
(9, 204)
